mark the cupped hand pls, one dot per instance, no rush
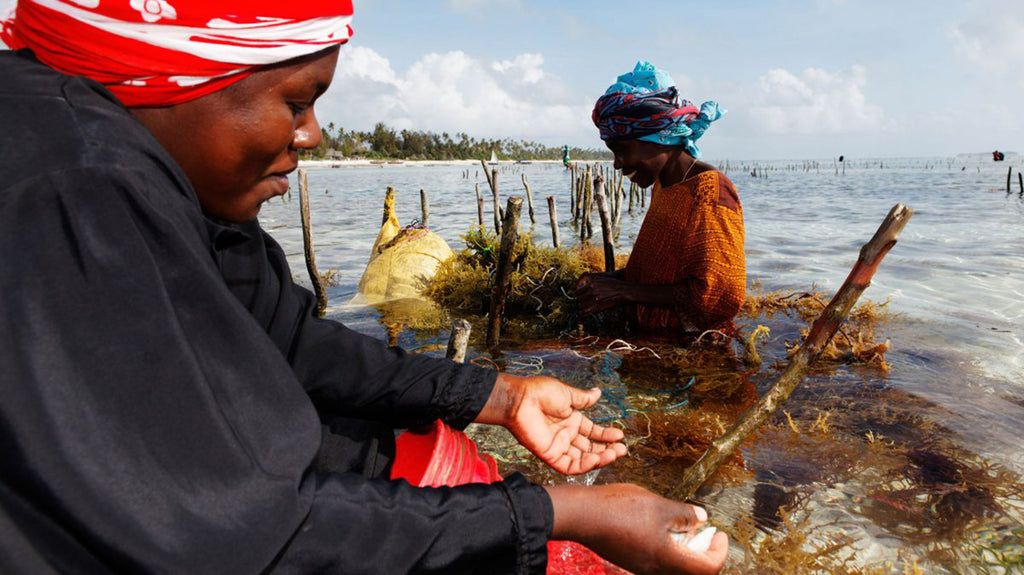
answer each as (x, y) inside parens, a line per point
(598, 292)
(634, 528)
(544, 415)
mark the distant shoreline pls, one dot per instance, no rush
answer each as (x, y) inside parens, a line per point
(357, 163)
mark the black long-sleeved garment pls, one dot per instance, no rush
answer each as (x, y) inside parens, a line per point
(163, 383)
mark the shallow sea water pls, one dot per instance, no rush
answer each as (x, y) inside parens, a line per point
(910, 469)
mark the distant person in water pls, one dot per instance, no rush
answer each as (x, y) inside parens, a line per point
(687, 268)
(565, 156)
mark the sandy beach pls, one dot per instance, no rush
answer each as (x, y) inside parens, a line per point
(360, 162)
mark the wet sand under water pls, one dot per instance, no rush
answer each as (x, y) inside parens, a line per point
(917, 466)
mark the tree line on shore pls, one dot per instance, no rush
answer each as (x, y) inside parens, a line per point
(387, 143)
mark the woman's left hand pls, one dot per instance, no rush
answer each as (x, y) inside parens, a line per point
(544, 415)
(598, 292)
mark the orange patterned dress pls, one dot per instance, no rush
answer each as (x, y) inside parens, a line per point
(692, 239)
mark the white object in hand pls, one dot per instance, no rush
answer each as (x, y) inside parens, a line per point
(700, 542)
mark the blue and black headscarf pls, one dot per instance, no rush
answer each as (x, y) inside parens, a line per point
(644, 105)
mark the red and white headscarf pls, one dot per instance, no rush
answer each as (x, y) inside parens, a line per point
(165, 52)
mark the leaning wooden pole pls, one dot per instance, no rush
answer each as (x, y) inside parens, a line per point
(509, 235)
(606, 223)
(821, 332)
(487, 173)
(529, 199)
(307, 246)
(553, 216)
(1009, 174)
(458, 341)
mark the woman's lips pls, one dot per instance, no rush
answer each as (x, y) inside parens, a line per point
(279, 182)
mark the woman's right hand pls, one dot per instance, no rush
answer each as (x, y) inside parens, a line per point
(600, 291)
(632, 527)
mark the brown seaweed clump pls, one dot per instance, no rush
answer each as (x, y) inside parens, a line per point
(855, 342)
(940, 495)
(790, 551)
(539, 300)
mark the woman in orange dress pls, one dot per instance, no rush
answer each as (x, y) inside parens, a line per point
(687, 268)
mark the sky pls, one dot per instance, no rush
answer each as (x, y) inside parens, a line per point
(800, 79)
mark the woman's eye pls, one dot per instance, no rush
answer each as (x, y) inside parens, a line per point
(298, 109)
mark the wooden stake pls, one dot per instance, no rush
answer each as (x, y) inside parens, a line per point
(487, 174)
(509, 235)
(307, 244)
(553, 216)
(425, 206)
(588, 204)
(1009, 171)
(479, 206)
(580, 185)
(606, 223)
(529, 198)
(572, 189)
(458, 340)
(1020, 182)
(821, 332)
(497, 201)
(617, 193)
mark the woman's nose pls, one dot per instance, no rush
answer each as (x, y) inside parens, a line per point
(307, 135)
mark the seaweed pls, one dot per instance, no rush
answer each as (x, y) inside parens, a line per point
(539, 301)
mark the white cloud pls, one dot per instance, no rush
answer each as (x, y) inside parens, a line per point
(992, 39)
(524, 67)
(815, 102)
(455, 92)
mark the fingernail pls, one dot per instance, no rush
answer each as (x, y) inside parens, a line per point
(701, 514)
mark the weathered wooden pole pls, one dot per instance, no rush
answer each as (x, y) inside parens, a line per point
(588, 204)
(606, 224)
(529, 198)
(553, 216)
(487, 173)
(503, 271)
(617, 212)
(572, 188)
(458, 340)
(479, 206)
(821, 332)
(1009, 172)
(580, 185)
(425, 207)
(632, 196)
(307, 245)
(497, 201)
(1020, 182)
(583, 209)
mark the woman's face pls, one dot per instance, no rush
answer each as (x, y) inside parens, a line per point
(642, 162)
(237, 145)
